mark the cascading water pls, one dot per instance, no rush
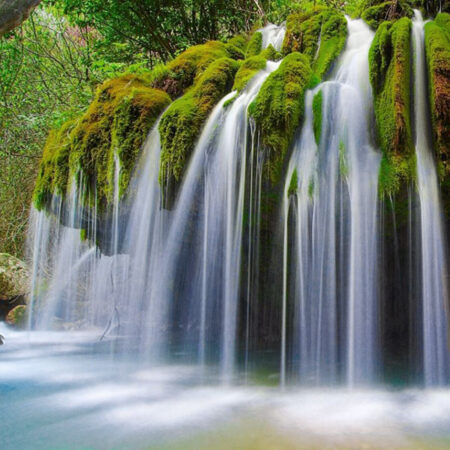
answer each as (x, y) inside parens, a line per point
(273, 35)
(334, 210)
(436, 357)
(197, 247)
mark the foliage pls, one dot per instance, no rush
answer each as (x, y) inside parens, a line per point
(378, 13)
(47, 76)
(158, 29)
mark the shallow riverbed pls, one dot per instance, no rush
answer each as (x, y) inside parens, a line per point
(60, 391)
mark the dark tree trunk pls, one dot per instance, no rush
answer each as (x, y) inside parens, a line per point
(14, 12)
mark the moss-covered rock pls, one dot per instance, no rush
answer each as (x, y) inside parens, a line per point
(271, 54)
(317, 115)
(332, 41)
(254, 46)
(437, 44)
(240, 41)
(115, 124)
(304, 31)
(181, 124)
(390, 69)
(278, 110)
(187, 68)
(377, 13)
(249, 68)
(54, 169)
(17, 317)
(14, 277)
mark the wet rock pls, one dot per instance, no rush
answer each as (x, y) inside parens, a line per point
(14, 283)
(17, 316)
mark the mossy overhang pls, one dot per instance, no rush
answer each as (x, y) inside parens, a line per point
(116, 124)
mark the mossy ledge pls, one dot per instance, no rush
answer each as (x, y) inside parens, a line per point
(187, 68)
(181, 124)
(116, 123)
(278, 110)
(305, 30)
(254, 46)
(390, 76)
(437, 44)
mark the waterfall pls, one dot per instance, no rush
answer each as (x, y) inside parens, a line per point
(182, 283)
(330, 256)
(436, 358)
(273, 35)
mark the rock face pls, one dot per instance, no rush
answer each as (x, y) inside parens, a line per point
(14, 284)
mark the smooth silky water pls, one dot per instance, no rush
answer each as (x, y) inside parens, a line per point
(113, 372)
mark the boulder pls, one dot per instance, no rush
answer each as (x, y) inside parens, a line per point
(14, 283)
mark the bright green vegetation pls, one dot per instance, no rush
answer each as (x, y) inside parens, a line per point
(437, 42)
(317, 116)
(181, 124)
(375, 14)
(293, 185)
(254, 45)
(278, 110)
(332, 41)
(303, 31)
(390, 69)
(115, 124)
(271, 54)
(249, 68)
(187, 68)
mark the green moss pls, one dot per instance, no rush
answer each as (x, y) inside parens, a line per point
(271, 54)
(116, 123)
(437, 45)
(332, 41)
(53, 175)
(249, 68)
(187, 68)
(303, 31)
(343, 164)
(390, 68)
(293, 185)
(317, 116)
(278, 110)
(234, 52)
(375, 14)
(240, 41)
(182, 122)
(395, 171)
(255, 45)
